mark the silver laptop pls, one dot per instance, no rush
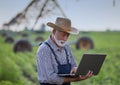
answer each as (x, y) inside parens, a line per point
(88, 62)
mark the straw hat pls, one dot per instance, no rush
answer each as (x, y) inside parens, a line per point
(63, 24)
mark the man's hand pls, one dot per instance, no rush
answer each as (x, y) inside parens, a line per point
(88, 75)
(73, 70)
(79, 78)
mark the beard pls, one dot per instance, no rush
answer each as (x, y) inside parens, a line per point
(60, 43)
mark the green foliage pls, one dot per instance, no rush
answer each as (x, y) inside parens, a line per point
(20, 68)
(6, 83)
(9, 70)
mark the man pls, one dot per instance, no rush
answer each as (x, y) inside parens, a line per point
(55, 57)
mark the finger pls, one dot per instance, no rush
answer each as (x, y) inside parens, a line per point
(82, 77)
(72, 72)
(89, 72)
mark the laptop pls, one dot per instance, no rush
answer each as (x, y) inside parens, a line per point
(88, 62)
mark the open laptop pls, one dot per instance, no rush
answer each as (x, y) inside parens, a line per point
(88, 62)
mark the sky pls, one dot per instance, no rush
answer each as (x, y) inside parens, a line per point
(86, 15)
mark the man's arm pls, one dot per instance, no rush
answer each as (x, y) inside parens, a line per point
(46, 71)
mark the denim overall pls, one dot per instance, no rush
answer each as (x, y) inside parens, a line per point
(62, 69)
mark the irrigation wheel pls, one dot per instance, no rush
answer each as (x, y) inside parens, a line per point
(22, 46)
(84, 43)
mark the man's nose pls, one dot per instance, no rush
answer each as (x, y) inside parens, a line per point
(65, 37)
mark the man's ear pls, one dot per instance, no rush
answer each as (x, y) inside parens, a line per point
(53, 31)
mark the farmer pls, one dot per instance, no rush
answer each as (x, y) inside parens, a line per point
(54, 56)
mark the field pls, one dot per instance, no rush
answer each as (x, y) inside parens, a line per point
(20, 68)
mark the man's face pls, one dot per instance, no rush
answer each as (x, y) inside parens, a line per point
(60, 37)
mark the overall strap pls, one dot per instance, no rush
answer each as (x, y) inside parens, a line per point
(66, 54)
(52, 52)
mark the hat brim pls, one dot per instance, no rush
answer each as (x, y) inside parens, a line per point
(72, 31)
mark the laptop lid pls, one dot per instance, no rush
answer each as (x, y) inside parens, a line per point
(91, 62)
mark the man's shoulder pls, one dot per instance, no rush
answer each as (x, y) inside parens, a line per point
(43, 46)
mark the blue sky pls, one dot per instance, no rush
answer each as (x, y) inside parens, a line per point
(84, 14)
